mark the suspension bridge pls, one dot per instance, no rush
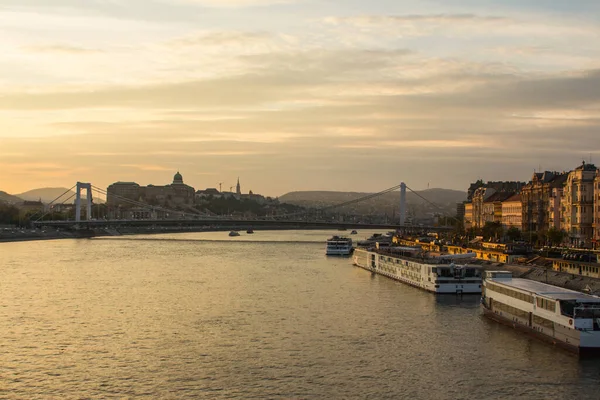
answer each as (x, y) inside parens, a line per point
(192, 217)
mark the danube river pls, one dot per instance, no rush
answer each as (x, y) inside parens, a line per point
(202, 315)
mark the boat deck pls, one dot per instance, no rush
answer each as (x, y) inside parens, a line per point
(544, 289)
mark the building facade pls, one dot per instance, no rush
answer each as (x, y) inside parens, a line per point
(481, 215)
(119, 193)
(498, 186)
(578, 205)
(512, 212)
(555, 208)
(468, 218)
(535, 199)
(596, 240)
(487, 206)
(128, 195)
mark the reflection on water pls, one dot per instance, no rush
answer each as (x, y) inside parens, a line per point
(202, 315)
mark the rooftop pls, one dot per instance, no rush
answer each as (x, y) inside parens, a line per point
(513, 198)
(125, 183)
(544, 289)
(499, 196)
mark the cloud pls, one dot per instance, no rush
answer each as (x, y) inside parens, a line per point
(277, 95)
(235, 3)
(224, 38)
(439, 19)
(146, 167)
(60, 49)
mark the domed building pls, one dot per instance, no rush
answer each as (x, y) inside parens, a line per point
(178, 179)
(175, 195)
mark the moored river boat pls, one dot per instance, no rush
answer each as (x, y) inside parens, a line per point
(557, 315)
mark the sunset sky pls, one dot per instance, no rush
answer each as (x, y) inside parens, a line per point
(296, 94)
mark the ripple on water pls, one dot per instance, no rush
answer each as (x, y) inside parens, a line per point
(198, 315)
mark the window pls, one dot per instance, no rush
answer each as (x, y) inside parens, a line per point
(509, 292)
(510, 310)
(546, 304)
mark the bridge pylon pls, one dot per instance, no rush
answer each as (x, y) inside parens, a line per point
(402, 204)
(88, 187)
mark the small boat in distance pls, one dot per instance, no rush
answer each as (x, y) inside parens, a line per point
(376, 238)
(339, 246)
(234, 233)
(250, 231)
(354, 232)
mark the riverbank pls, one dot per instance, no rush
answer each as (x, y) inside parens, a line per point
(35, 235)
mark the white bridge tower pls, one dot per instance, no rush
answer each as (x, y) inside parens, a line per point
(402, 204)
(80, 187)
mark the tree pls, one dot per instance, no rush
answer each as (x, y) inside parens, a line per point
(555, 236)
(9, 214)
(513, 234)
(492, 230)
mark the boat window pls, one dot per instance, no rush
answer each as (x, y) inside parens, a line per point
(546, 304)
(543, 322)
(511, 310)
(509, 292)
(587, 310)
(567, 307)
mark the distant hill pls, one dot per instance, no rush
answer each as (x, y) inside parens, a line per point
(444, 202)
(9, 199)
(50, 194)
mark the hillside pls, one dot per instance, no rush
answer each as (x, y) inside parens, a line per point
(8, 198)
(50, 194)
(388, 203)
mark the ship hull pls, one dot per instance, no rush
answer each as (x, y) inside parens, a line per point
(511, 321)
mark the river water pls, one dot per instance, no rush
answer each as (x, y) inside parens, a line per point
(202, 315)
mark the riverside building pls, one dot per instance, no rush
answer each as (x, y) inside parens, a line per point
(125, 194)
(578, 205)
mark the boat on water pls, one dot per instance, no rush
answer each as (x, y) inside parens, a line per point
(411, 265)
(354, 232)
(250, 231)
(234, 233)
(556, 315)
(339, 246)
(375, 238)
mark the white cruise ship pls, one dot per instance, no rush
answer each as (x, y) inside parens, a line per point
(339, 246)
(410, 265)
(560, 316)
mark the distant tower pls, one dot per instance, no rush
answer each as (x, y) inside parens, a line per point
(402, 204)
(238, 188)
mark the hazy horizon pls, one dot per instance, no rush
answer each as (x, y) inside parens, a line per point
(294, 95)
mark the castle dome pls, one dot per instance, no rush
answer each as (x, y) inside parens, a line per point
(178, 179)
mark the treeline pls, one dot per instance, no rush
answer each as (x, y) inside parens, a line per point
(9, 215)
(226, 206)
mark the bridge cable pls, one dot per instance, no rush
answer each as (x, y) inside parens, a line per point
(52, 202)
(49, 212)
(433, 204)
(148, 206)
(345, 203)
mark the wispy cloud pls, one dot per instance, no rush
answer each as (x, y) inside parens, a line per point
(60, 49)
(235, 3)
(134, 90)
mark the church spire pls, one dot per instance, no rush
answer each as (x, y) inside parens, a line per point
(238, 188)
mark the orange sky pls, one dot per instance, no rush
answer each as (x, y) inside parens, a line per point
(295, 95)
